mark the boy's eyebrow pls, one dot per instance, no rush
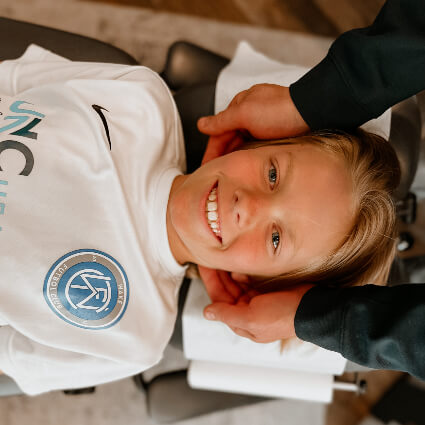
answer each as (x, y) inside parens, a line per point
(284, 183)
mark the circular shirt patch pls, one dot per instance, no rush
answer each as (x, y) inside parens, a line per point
(88, 289)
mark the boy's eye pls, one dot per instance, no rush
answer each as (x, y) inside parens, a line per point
(272, 175)
(275, 239)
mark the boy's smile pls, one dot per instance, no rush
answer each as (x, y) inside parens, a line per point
(263, 211)
(212, 214)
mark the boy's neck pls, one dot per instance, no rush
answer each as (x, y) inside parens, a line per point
(178, 249)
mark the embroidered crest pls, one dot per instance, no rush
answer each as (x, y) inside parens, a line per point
(88, 289)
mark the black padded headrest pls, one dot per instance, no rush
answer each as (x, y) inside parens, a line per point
(191, 65)
(405, 137)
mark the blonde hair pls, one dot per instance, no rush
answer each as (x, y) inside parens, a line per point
(367, 252)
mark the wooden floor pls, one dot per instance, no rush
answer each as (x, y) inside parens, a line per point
(322, 17)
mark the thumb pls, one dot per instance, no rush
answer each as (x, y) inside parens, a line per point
(224, 121)
(233, 315)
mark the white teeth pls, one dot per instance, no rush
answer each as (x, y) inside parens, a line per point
(212, 215)
(212, 206)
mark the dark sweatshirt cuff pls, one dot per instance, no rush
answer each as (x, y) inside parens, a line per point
(324, 100)
(317, 320)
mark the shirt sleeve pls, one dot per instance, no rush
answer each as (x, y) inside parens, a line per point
(37, 368)
(366, 70)
(378, 327)
(38, 67)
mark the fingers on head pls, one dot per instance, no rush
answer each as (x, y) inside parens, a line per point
(214, 285)
(238, 319)
(244, 333)
(238, 98)
(231, 286)
(227, 120)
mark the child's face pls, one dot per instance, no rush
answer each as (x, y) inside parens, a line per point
(279, 208)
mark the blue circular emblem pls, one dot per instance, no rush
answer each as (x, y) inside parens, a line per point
(87, 288)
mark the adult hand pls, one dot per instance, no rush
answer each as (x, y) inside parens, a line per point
(221, 145)
(265, 111)
(259, 317)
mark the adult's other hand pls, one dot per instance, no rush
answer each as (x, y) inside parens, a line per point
(265, 111)
(259, 317)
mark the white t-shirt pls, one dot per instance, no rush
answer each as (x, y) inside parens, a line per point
(88, 283)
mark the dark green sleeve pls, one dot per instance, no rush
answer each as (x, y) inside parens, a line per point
(366, 70)
(378, 327)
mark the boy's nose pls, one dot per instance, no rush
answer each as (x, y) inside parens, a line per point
(248, 207)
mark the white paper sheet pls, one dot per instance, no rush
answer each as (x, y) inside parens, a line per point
(260, 381)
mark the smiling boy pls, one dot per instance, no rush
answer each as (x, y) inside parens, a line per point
(100, 221)
(279, 208)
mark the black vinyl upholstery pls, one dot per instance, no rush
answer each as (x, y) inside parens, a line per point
(188, 65)
(192, 72)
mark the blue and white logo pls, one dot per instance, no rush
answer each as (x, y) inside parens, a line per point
(88, 289)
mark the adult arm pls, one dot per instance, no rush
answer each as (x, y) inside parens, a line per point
(379, 327)
(366, 70)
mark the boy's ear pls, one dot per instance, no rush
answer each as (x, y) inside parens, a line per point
(240, 277)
